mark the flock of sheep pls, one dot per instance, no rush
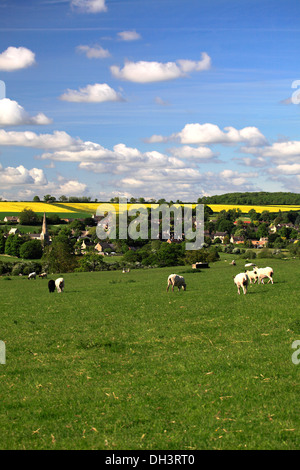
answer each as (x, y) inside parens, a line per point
(241, 280)
(59, 283)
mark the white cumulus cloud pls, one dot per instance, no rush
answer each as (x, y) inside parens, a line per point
(57, 140)
(13, 114)
(211, 134)
(16, 58)
(97, 93)
(20, 175)
(146, 72)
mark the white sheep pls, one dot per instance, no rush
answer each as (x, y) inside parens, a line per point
(32, 275)
(252, 276)
(60, 284)
(262, 273)
(175, 280)
(241, 281)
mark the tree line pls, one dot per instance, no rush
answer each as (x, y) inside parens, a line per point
(260, 198)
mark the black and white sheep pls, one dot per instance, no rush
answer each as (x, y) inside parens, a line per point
(60, 284)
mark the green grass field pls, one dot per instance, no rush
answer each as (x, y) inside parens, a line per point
(117, 363)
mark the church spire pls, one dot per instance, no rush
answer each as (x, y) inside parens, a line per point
(45, 234)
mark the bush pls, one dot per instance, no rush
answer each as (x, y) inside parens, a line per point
(265, 253)
(5, 268)
(18, 268)
(32, 267)
(249, 254)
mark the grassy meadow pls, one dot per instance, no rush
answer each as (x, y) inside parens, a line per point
(117, 363)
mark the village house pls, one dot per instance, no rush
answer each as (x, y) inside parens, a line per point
(236, 240)
(34, 236)
(102, 246)
(14, 231)
(275, 228)
(11, 219)
(220, 235)
(261, 243)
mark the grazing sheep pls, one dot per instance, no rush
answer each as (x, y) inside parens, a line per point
(241, 281)
(233, 263)
(262, 273)
(32, 275)
(43, 275)
(60, 284)
(175, 280)
(51, 285)
(252, 276)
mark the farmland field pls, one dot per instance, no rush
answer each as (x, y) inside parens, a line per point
(82, 210)
(117, 363)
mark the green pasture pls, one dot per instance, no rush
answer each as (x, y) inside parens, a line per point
(115, 362)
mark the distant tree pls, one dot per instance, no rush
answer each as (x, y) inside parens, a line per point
(8, 245)
(63, 198)
(207, 213)
(58, 257)
(49, 198)
(265, 216)
(13, 245)
(28, 217)
(2, 243)
(77, 225)
(262, 230)
(32, 249)
(36, 199)
(225, 226)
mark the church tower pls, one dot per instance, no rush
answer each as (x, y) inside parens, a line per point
(45, 234)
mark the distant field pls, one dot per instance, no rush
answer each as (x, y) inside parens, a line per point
(246, 209)
(82, 210)
(117, 363)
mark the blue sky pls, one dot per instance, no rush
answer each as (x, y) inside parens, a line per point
(151, 98)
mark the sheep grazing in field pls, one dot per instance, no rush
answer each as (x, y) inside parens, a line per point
(60, 284)
(262, 273)
(175, 280)
(51, 285)
(233, 263)
(252, 276)
(32, 275)
(241, 281)
(43, 275)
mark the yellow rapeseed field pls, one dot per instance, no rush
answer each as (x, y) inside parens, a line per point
(65, 208)
(17, 207)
